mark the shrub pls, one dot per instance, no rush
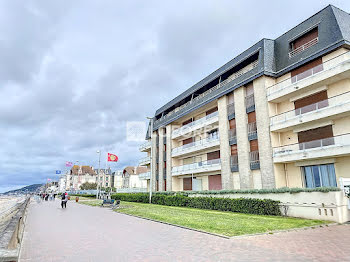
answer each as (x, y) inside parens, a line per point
(83, 195)
(240, 205)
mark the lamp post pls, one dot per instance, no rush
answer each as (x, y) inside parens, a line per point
(151, 178)
(99, 164)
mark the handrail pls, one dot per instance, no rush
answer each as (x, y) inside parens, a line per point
(299, 112)
(145, 145)
(270, 88)
(196, 165)
(303, 47)
(339, 140)
(205, 141)
(196, 122)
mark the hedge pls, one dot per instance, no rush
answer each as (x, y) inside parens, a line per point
(83, 195)
(240, 205)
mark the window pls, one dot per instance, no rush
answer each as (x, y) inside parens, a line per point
(213, 134)
(211, 111)
(303, 42)
(311, 103)
(318, 137)
(106, 184)
(319, 176)
(307, 70)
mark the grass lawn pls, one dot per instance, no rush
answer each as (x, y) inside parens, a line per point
(90, 202)
(224, 223)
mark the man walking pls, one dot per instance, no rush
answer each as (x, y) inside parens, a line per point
(64, 200)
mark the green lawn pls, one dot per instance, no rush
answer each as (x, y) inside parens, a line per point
(90, 202)
(224, 223)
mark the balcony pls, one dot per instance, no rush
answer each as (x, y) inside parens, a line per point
(252, 131)
(327, 147)
(250, 103)
(254, 160)
(334, 107)
(145, 161)
(200, 123)
(145, 176)
(232, 136)
(196, 146)
(331, 71)
(231, 111)
(145, 146)
(303, 47)
(234, 163)
(236, 77)
(199, 167)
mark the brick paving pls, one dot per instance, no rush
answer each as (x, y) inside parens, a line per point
(84, 233)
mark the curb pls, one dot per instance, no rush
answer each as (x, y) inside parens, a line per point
(170, 224)
(286, 230)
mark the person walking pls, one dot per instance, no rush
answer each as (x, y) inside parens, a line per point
(64, 200)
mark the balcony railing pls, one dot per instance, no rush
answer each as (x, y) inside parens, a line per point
(254, 160)
(197, 144)
(333, 102)
(145, 176)
(232, 136)
(231, 109)
(145, 146)
(197, 99)
(250, 103)
(328, 65)
(145, 160)
(336, 141)
(252, 131)
(234, 163)
(188, 128)
(303, 47)
(196, 166)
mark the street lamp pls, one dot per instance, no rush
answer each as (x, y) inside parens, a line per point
(151, 178)
(99, 164)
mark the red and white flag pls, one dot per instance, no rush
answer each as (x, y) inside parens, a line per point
(112, 158)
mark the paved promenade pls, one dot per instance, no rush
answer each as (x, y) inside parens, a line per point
(84, 233)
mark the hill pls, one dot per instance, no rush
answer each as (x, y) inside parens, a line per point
(25, 190)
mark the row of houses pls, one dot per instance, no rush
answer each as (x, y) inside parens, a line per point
(128, 178)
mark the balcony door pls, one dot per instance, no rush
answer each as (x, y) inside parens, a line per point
(187, 183)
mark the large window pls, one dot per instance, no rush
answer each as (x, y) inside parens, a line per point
(319, 176)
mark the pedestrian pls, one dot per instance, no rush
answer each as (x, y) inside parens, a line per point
(64, 200)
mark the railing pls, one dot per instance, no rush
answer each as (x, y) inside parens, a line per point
(232, 135)
(252, 129)
(231, 109)
(198, 165)
(328, 65)
(249, 101)
(187, 127)
(195, 144)
(145, 160)
(303, 47)
(145, 145)
(131, 190)
(341, 140)
(335, 101)
(234, 163)
(146, 175)
(307, 73)
(254, 160)
(214, 88)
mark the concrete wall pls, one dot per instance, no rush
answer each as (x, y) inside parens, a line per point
(332, 206)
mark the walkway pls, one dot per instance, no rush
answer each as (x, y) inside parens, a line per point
(84, 233)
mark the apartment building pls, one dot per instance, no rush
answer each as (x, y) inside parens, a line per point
(276, 115)
(104, 177)
(79, 175)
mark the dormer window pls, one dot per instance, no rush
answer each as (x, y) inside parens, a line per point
(303, 42)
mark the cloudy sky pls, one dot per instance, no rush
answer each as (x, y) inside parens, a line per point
(73, 73)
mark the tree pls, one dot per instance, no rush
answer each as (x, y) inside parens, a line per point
(88, 186)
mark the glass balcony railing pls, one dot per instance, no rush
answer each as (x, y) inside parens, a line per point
(232, 136)
(197, 166)
(197, 144)
(231, 109)
(252, 131)
(234, 163)
(189, 127)
(145, 160)
(250, 102)
(333, 102)
(336, 141)
(303, 47)
(145, 146)
(326, 66)
(254, 160)
(145, 176)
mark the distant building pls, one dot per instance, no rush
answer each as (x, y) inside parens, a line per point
(130, 177)
(104, 178)
(79, 175)
(117, 180)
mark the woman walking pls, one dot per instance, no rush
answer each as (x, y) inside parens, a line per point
(64, 200)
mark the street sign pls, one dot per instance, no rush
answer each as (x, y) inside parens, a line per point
(58, 172)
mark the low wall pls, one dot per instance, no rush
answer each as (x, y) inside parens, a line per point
(11, 238)
(331, 206)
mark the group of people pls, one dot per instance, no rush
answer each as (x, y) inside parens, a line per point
(46, 196)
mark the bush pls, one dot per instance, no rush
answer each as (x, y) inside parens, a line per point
(83, 195)
(240, 205)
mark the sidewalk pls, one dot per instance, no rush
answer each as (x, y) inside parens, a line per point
(84, 233)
